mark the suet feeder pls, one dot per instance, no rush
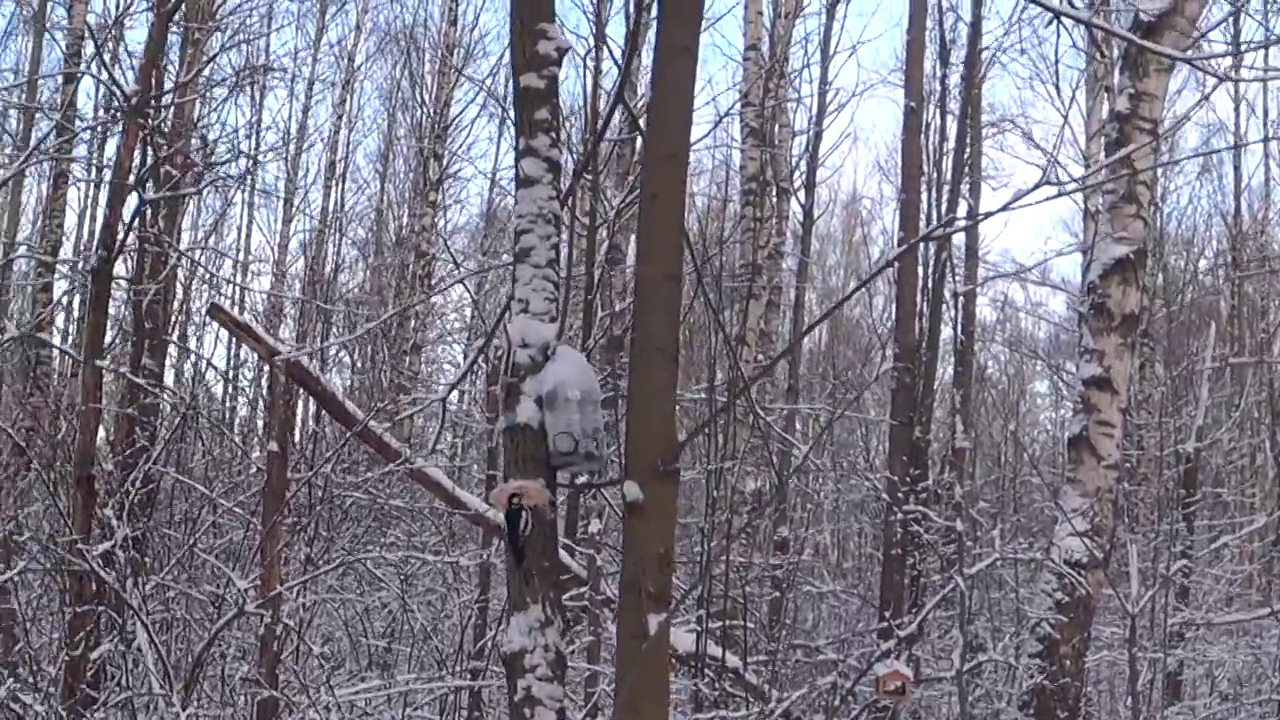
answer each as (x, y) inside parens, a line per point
(893, 682)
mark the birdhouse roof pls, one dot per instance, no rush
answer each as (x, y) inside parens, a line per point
(887, 668)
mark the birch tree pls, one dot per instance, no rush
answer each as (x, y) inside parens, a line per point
(1110, 300)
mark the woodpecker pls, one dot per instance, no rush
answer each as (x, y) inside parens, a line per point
(519, 521)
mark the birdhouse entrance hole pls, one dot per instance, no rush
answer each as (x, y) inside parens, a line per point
(893, 682)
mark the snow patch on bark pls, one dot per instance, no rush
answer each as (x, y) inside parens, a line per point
(534, 634)
(1071, 536)
(631, 492)
(655, 621)
(555, 46)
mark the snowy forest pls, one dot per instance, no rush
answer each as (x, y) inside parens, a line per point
(639, 359)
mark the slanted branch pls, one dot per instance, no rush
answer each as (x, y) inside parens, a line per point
(684, 643)
(431, 479)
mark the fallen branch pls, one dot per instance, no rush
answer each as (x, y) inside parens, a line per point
(470, 507)
(431, 479)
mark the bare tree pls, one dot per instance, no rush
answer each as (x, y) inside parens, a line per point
(1110, 303)
(26, 126)
(78, 692)
(642, 685)
(900, 570)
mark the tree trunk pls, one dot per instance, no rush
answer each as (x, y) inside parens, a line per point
(614, 287)
(533, 649)
(1111, 299)
(1189, 456)
(242, 417)
(104, 102)
(78, 697)
(780, 564)
(26, 125)
(777, 108)
(965, 352)
(135, 488)
(431, 173)
(273, 316)
(642, 686)
(38, 367)
(17, 455)
(899, 565)
(152, 296)
(753, 190)
(284, 408)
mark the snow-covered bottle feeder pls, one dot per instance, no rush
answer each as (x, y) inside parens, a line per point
(571, 414)
(893, 681)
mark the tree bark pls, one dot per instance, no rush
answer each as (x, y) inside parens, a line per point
(1111, 298)
(533, 648)
(78, 697)
(26, 126)
(965, 351)
(753, 190)
(423, 217)
(642, 685)
(899, 566)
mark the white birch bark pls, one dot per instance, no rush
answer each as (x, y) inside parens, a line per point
(1110, 301)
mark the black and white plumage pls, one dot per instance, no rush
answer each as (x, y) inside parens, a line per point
(519, 519)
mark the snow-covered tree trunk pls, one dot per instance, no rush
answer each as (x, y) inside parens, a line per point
(1111, 298)
(533, 649)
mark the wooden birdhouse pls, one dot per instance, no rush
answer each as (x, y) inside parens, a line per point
(893, 682)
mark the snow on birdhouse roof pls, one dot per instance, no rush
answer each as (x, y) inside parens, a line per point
(886, 667)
